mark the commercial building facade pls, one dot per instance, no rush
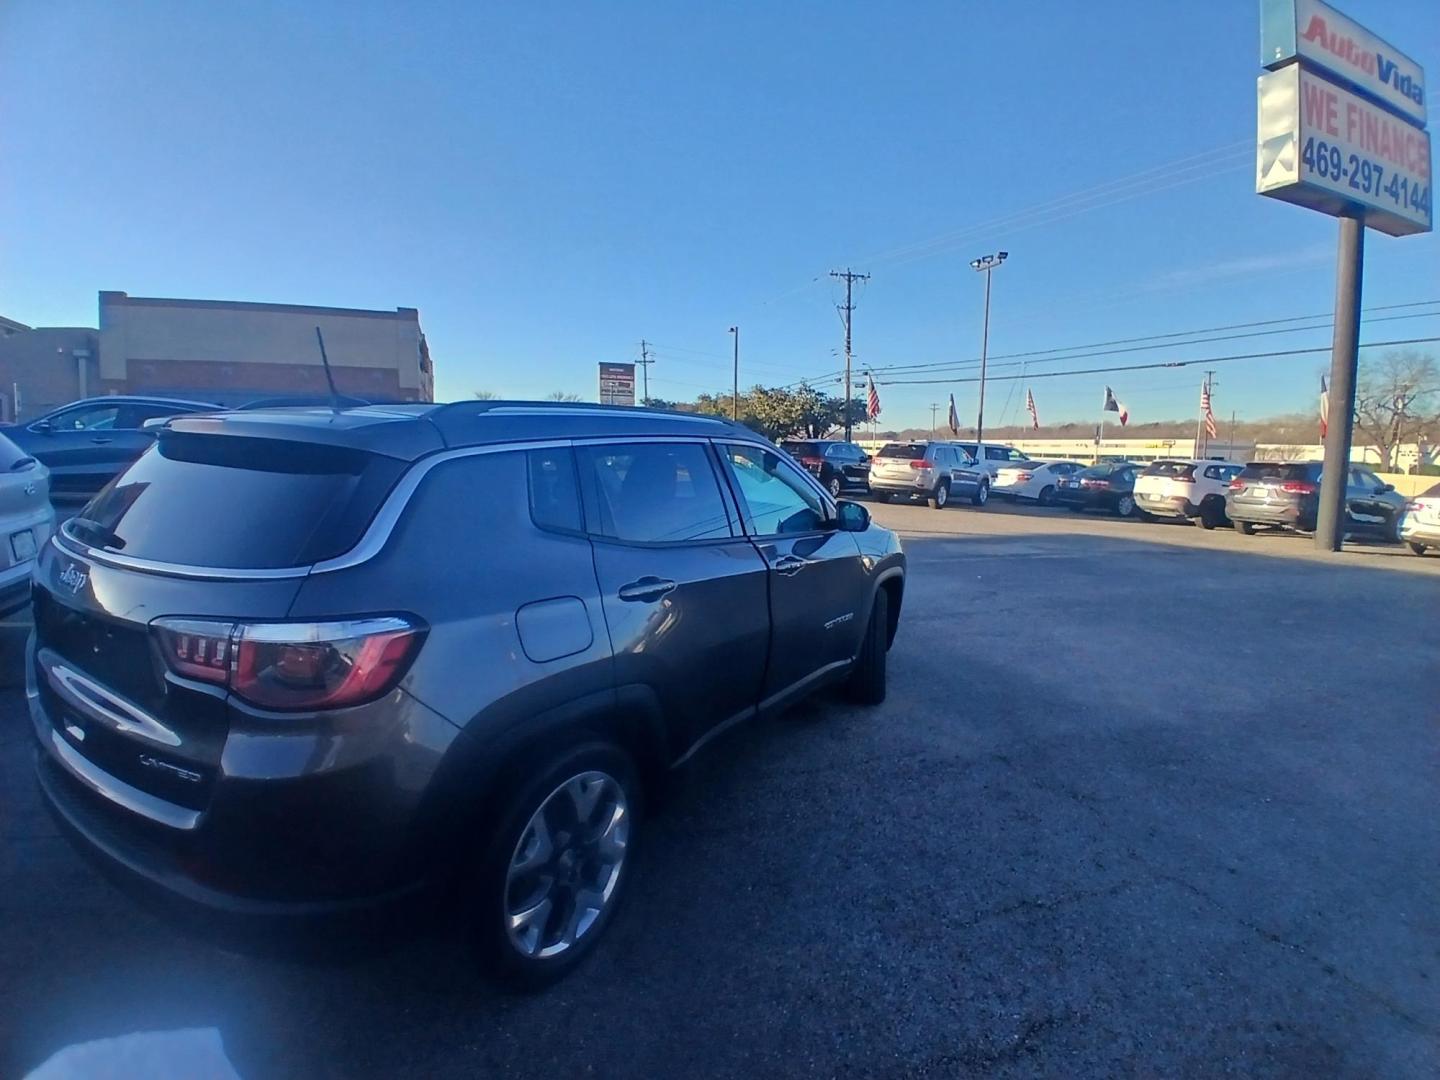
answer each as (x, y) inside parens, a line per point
(224, 351)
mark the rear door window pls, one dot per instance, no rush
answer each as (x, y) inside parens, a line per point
(223, 501)
(652, 493)
(554, 491)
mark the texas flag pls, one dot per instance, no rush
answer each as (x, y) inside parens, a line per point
(1324, 407)
(1115, 405)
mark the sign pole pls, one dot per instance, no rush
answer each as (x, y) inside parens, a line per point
(1344, 357)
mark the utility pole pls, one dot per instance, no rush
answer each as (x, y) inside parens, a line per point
(1344, 355)
(645, 361)
(984, 265)
(849, 278)
(1230, 456)
(934, 408)
(735, 385)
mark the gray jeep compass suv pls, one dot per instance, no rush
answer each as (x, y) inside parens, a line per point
(300, 660)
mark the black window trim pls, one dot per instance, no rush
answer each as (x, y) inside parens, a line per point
(555, 530)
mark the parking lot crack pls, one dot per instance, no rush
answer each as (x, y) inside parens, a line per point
(1277, 939)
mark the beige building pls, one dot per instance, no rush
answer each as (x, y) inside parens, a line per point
(224, 351)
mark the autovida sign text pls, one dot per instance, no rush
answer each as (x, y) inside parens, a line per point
(1341, 120)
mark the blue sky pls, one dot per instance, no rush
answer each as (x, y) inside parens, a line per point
(549, 183)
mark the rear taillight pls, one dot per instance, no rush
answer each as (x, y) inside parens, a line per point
(197, 648)
(293, 666)
(1420, 506)
(1183, 479)
(1022, 477)
(1237, 485)
(919, 463)
(812, 462)
(1095, 483)
(1298, 487)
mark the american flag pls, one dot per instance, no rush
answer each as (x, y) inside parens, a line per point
(1210, 429)
(872, 401)
(1030, 408)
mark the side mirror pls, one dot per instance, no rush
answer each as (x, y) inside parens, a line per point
(852, 517)
(1384, 489)
(42, 426)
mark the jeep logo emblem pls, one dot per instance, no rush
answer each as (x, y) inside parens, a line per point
(74, 579)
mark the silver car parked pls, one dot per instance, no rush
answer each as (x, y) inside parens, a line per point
(26, 521)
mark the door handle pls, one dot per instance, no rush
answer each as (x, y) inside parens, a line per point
(99, 439)
(646, 589)
(790, 565)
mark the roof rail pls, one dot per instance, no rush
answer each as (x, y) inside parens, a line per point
(479, 408)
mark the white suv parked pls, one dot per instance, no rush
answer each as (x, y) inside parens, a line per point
(1186, 488)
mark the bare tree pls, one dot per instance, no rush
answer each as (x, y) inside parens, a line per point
(486, 395)
(561, 395)
(1395, 399)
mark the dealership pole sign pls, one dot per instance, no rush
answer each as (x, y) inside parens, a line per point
(617, 384)
(1341, 130)
(1341, 120)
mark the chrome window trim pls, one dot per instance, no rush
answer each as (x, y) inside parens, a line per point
(118, 791)
(67, 543)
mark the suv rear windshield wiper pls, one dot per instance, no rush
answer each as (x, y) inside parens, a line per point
(94, 533)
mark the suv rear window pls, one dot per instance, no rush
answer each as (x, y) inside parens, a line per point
(1169, 468)
(908, 451)
(1280, 470)
(11, 455)
(222, 501)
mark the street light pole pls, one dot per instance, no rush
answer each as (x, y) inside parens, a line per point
(985, 264)
(735, 385)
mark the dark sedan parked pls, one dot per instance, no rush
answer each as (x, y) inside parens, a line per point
(1108, 486)
(87, 443)
(839, 466)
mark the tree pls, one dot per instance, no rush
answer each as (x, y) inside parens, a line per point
(1395, 401)
(561, 395)
(486, 395)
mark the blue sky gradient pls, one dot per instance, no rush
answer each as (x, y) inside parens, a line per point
(550, 183)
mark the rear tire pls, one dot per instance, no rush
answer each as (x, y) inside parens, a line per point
(495, 887)
(982, 494)
(1047, 495)
(1245, 528)
(1418, 549)
(867, 680)
(940, 496)
(1209, 516)
(1125, 506)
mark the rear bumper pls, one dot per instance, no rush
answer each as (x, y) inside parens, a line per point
(1176, 506)
(1286, 515)
(15, 587)
(1416, 532)
(892, 486)
(287, 832)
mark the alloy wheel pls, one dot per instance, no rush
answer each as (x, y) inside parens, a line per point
(1126, 506)
(566, 865)
(834, 486)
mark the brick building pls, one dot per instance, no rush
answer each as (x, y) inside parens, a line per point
(213, 350)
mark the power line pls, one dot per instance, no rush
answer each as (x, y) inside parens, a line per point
(948, 365)
(1169, 337)
(1162, 364)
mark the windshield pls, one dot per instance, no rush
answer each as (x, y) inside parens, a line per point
(1169, 468)
(911, 451)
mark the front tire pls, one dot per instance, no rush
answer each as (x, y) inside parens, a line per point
(982, 495)
(834, 487)
(867, 680)
(554, 870)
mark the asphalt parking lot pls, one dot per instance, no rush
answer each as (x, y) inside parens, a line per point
(1144, 800)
